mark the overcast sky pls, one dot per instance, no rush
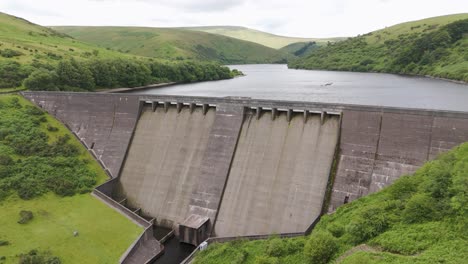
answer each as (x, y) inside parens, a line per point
(305, 18)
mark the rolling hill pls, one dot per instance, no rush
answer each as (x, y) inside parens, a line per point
(25, 42)
(175, 44)
(41, 58)
(436, 46)
(260, 37)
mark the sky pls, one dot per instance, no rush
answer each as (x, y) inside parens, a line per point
(300, 18)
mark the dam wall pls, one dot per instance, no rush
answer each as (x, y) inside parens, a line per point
(377, 148)
(238, 166)
(104, 123)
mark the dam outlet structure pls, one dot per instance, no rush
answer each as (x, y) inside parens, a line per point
(195, 169)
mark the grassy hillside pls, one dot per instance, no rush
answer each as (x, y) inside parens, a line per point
(175, 44)
(260, 37)
(45, 170)
(27, 42)
(435, 46)
(421, 218)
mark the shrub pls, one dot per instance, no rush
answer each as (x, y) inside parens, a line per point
(5, 160)
(368, 223)
(25, 217)
(420, 208)
(51, 128)
(276, 247)
(41, 80)
(9, 53)
(320, 248)
(266, 260)
(37, 257)
(4, 243)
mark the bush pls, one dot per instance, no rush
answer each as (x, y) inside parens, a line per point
(368, 223)
(266, 260)
(25, 217)
(9, 53)
(4, 243)
(420, 208)
(276, 247)
(5, 160)
(51, 128)
(41, 80)
(37, 257)
(320, 248)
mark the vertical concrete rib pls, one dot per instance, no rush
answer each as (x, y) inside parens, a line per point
(216, 161)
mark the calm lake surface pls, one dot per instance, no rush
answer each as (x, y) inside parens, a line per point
(280, 83)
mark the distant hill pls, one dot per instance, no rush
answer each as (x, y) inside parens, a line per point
(176, 44)
(260, 37)
(301, 49)
(436, 46)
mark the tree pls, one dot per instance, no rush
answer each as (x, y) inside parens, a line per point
(41, 80)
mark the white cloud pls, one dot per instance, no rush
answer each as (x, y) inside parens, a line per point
(306, 18)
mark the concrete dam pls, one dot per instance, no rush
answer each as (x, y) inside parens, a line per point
(239, 167)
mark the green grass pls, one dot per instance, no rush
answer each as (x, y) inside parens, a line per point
(421, 47)
(422, 218)
(260, 37)
(175, 44)
(104, 234)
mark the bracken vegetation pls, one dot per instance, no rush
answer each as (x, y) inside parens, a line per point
(422, 218)
(32, 164)
(426, 47)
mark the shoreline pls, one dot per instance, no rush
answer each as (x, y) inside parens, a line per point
(401, 74)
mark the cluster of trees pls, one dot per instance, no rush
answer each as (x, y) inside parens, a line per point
(422, 218)
(30, 165)
(439, 53)
(73, 75)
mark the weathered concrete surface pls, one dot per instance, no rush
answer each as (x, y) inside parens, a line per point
(278, 176)
(103, 122)
(216, 162)
(377, 148)
(160, 172)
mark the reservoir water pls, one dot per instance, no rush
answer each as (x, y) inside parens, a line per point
(273, 81)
